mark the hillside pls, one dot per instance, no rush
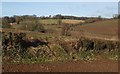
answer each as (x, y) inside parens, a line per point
(102, 27)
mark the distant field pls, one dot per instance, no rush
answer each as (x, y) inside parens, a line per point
(49, 24)
(104, 27)
(49, 21)
(55, 21)
(72, 21)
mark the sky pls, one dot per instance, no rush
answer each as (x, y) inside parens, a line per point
(60, 0)
(104, 9)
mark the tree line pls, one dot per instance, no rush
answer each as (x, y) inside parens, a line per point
(17, 19)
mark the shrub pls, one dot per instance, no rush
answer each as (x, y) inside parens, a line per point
(5, 24)
(32, 26)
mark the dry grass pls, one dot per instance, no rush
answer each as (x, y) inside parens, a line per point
(72, 21)
(55, 21)
(49, 21)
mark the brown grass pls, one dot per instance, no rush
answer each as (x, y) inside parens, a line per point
(72, 21)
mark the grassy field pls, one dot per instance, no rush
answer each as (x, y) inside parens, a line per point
(104, 27)
(51, 25)
(107, 28)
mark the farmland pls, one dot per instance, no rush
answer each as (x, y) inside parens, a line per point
(53, 44)
(59, 36)
(105, 27)
(102, 29)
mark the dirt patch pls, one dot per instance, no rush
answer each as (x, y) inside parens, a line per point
(70, 66)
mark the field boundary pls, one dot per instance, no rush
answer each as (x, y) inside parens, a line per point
(88, 34)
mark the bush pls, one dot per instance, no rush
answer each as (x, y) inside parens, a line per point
(32, 26)
(11, 39)
(5, 24)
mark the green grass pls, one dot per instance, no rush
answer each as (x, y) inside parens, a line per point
(113, 55)
(60, 54)
(86, 55)
(27, 58)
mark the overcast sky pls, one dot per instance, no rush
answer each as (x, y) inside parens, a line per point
(104, 9)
